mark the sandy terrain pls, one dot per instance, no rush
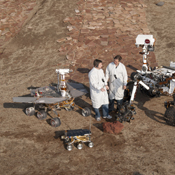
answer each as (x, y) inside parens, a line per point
(30, 146)
(161, 23)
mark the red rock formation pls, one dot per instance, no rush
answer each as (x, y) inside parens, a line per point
(112, 127)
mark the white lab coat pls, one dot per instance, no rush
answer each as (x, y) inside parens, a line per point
(98, 97)
(116, 90)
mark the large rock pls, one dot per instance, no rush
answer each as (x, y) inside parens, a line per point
(112, 127)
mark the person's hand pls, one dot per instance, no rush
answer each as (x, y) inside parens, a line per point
(107, 87)
(124, 87)
(102, 89)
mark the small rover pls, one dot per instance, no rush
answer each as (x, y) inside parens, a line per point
(78, 137)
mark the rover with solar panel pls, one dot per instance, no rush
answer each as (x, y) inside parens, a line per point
(77, 137)
(54, 98)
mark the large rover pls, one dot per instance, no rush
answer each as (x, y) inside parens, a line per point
(153, 81)
(53, 98)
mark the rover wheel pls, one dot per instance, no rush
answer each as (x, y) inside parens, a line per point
(30, 111)
(55, 122)
(133, 75)
(90, 144)
(69, 147)
(129, 86)
(127, 118)
(79, 146)
(41, 115)
(170, 116)
(86, 112)
(151, 92)
(120, 119)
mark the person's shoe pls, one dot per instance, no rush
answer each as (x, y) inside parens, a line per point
(98, 119)
(107, 117)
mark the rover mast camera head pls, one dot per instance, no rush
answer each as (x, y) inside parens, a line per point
(145, 40)
(63, 71)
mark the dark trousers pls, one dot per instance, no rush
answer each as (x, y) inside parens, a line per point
(105, 110)
(111, 104)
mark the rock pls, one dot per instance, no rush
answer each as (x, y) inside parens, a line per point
(160, 3)
(77, 11)
(112, 127)
(61, 40)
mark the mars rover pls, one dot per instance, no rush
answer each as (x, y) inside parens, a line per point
(78, 137)
(53, 98)
(154, 81)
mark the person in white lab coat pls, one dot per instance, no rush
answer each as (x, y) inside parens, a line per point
(98, 90)
(117, 75)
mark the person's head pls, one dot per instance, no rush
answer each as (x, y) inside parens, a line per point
(97, 64)
(117, 59)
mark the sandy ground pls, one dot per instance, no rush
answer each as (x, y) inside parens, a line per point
(161, 23)
(30, 146)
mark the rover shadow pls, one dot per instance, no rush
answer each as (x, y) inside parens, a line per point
(17, 105)
(86, 87)
(142, 98)
(131, 67)
(82, 104)
(137, 173)
(32, 87)
(79, 101)
(58, 134)
(83, 70)
(27, 95)
(49, 120)
(99, 126)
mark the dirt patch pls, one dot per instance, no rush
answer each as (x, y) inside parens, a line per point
(161, 25)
